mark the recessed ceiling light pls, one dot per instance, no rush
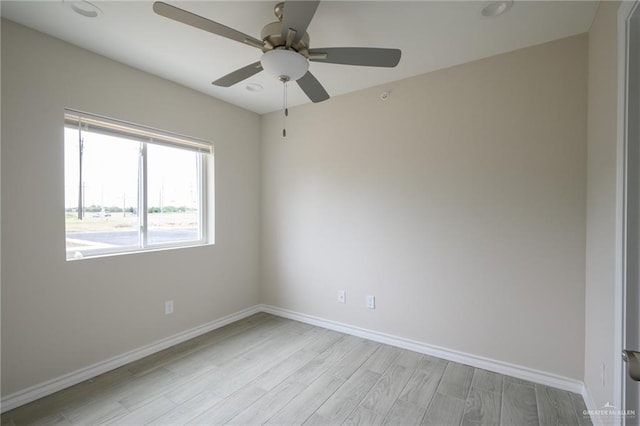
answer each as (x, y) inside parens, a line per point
(496, 8)
(86, 9)
(254, 87)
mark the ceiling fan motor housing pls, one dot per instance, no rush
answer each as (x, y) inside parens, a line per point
(272, 36)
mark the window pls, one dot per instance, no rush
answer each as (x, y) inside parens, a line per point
(131, 188)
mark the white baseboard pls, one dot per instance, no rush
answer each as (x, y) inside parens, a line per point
(46, 388)
(496, 366)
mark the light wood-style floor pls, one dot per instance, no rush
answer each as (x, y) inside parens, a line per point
(266, 369)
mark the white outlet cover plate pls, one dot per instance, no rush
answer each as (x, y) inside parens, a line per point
(371, 302)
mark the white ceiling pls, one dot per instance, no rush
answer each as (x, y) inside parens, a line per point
(432, 35)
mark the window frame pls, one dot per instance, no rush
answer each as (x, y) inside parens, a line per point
(147, 135)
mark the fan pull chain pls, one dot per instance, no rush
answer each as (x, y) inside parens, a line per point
(284, 107)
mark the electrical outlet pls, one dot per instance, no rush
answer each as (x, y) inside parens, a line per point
(371, 302)
(168, 307)
(342, 297)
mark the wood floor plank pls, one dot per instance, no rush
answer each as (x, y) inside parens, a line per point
(428, 363)
(279, 342)
(229, 407)
(199, 383)
(300, 408)
(351, 362)
(232, 379)
(382, 359)
(144, 414)
(423, 385)
(555, 407)
(518, 381)
(518, 405)
(95, 412)
(181, 414)
(444, 410)
(255, 325)
(328, 359)
(301, 328)
(413, 401)
(487, 380)
(317, 420)
(279, 372)
(581, 410)
(482, 408)
(153, 361)
(456, 380)
(325, 340)
(321, 364)
(141, 390)
(409, 359)
(340, 404)
(229, 348)
(267, 406)
(364, 416)
(384, 393)
(404, 413)
(234, 372)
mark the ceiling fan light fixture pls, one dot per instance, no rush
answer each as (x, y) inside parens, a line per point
(286, 65)
(496, 8)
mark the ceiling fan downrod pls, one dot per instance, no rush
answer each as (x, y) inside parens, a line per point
(284, 79)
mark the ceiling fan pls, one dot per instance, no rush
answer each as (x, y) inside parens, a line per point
(285, 47)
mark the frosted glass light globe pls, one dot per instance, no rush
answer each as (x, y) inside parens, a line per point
(284, 64)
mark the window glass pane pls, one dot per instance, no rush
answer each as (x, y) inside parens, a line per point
(101, 198)
(173, 201)
(131, 188)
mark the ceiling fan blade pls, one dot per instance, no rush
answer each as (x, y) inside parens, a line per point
(297, 15)
(312, 88)
(238, 75)
(205, 24)
(364, 56)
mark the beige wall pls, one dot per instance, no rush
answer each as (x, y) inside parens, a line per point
(459, 203)
(60, 316)
(601, 205)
